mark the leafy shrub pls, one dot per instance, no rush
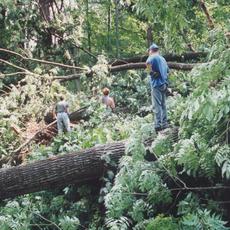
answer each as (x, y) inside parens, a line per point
(162, 223)
(202, 220)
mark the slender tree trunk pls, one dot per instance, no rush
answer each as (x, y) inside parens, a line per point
(45, 13)
(109, 27)
(205, 9)
(77, 81)
(149, 35)
(2, 25)
(45, 9)
(88, 25)
(116, 27)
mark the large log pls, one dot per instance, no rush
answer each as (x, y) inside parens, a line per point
(142, 65)
(128, 66)
(138, 65)
(169, 57)
(58, 171)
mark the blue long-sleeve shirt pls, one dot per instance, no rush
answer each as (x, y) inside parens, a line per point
(159, 70)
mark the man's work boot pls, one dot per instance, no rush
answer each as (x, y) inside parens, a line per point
(166, 126)
(158, 129)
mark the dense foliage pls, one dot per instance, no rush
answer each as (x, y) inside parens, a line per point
(182, 180)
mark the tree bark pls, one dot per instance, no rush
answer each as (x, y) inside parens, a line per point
(149, 36)
(2, 26)
(58, 171)
(44, 6)
(142, 65)
(206, 12)
(116, 27)
(61, 171)
(88, 25)
(109, 27)
(169, 57)
(45, 9)
(129, 66)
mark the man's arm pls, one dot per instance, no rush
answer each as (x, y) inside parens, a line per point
(112, 103)
(55, 112)
(168, 70)
(67, 108)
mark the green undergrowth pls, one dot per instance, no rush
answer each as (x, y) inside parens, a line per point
(165, 193)
(178, 182)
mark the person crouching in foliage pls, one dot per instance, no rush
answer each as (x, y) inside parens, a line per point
(62, 115)
(158, 71)
(107, 100)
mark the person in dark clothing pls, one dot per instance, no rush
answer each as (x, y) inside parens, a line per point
(158, 70)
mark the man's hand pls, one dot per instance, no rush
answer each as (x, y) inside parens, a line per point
(148, 68)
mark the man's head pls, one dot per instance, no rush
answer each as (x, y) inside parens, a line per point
(153, 49)
(62, 98)
(105, 91)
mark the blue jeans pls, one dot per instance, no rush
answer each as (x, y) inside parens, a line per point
(159, 104)
(63, 122)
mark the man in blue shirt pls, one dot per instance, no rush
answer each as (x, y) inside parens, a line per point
(158, 71)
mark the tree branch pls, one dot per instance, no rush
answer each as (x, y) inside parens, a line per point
(68, 77)
(205, 9)
(18, 67)
(2, 75)
(200, 188)
(41, 61)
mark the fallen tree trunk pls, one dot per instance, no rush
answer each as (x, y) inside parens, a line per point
(138, 65)
(58, 172)
(129, 66)
(142, 65)
(169, 57)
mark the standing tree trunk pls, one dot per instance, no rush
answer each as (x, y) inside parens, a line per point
(77, 81)
(45, 13)
(109, 27)
(45, 9)
(116, 26)
(2, 25)
(88, 25)
(149, 36)
(209, 18)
